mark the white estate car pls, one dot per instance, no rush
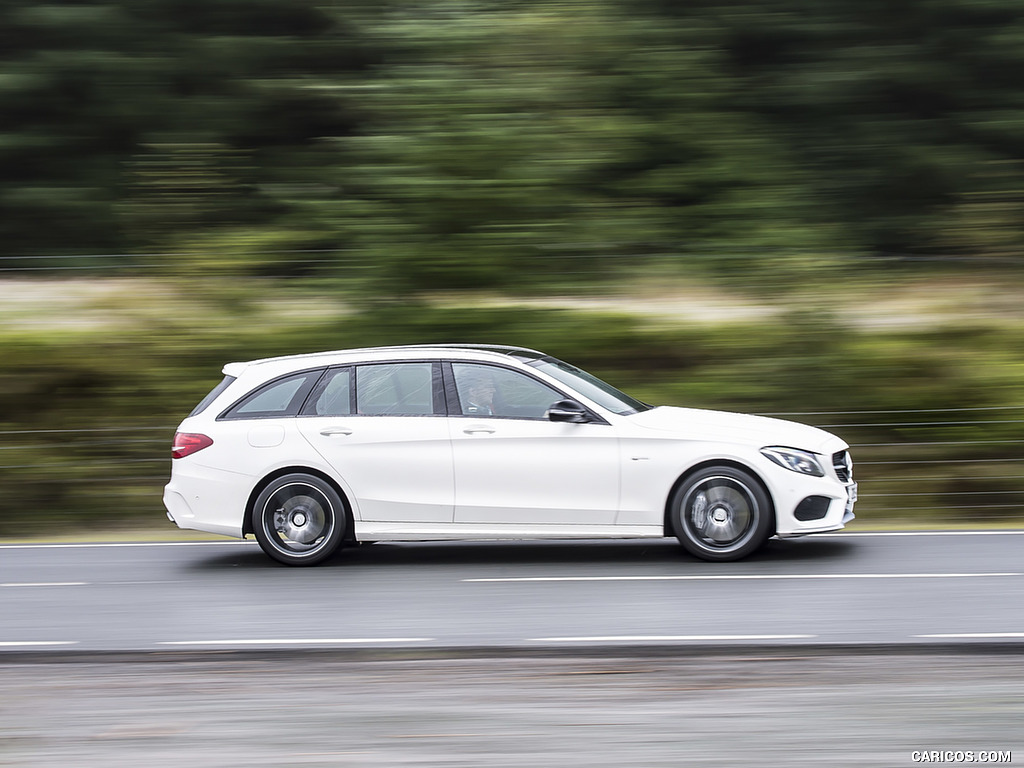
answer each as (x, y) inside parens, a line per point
(308, 452)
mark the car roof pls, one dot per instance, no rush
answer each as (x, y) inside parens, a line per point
(369, 354)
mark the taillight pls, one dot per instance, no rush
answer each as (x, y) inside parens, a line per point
(187, 443)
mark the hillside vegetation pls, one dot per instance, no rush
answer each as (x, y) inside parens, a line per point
(929, 393)
(773, 206)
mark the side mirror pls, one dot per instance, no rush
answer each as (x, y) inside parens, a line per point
(568, 410)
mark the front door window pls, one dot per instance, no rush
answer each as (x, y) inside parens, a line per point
(487, 390)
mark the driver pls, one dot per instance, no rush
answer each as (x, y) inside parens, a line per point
(479, 398)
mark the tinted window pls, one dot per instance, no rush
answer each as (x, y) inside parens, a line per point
(486, 390)
(332, 395)
(395, 389)
(282, 397)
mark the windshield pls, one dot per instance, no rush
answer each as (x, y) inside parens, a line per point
(590, 386)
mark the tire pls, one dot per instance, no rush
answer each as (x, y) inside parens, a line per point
(299, 519)
(721, 513)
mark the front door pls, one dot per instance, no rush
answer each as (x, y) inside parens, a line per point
(514, 466)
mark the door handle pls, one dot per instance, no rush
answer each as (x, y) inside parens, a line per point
(335, 431)
(478, 428)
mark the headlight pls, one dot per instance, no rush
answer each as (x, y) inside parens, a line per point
(799, 461)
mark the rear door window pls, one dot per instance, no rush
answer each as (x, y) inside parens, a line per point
(332, 395)
(399, 389)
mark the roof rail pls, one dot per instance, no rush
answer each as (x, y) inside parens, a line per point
(503, 349)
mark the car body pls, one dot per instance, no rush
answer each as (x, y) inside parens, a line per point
(308, 452)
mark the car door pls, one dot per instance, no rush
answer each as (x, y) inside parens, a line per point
(382, 427)
(513, 465)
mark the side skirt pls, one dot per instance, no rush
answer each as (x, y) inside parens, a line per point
(371, 531)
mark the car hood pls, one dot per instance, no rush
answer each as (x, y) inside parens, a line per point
(723, 426)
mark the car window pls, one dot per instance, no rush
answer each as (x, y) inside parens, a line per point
(282, 397)
(332, 395)
(487, 390)
(395, 389)
(600, 392)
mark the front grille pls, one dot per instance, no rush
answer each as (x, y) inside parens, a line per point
(842, 465)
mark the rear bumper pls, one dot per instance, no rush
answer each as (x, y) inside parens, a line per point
(201, 499)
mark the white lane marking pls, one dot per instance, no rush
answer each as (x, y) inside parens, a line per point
(302, 641)
(660, 638)
(753, 577)
(45, 584)
(968, 635)
(34, 643)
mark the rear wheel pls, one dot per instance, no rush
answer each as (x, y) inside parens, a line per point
(721, 513)
(299, 519)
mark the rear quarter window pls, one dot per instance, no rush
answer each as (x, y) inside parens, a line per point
(281, 397)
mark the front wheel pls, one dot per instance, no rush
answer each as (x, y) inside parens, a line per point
(721, 513)
(299, 519)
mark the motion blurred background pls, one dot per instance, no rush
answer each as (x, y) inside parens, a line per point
(811, 209)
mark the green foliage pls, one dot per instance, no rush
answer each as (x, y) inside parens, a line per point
(129, 127)
(293, 175)
(87, 414)
(442, 144)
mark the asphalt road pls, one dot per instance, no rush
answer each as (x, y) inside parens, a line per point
(847, 650)
(852, 589)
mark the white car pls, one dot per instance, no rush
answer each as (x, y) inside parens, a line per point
(418, 443)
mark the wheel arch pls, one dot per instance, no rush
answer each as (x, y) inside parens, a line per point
(272, 476)
(707, 464)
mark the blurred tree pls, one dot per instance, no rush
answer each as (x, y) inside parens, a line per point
(527, 141)
(469, 143)
(139, 125)
(905, 116)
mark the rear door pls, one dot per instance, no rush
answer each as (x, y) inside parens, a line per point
(382, 427)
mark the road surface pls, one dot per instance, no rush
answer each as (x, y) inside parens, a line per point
(848, 650)
(828, 590)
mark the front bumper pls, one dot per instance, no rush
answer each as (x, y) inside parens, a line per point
(831, 513)
(806, 504)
